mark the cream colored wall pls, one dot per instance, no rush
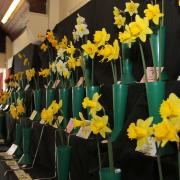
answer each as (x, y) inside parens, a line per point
(2, 60)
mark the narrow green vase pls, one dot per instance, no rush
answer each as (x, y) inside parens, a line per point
(77, 99)
(88, 70)
(127, 65)
(15, 96)
(64, 96)
(90, 91)
(18, 140)
(155, 95)
(63, 162)
(20, 94)
(158, 48)
(2, 125)
(37, 100)
(50, 94)
(26, 157)
(120, 92)
(106, 174)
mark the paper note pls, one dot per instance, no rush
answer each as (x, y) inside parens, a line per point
(33, 115)
(12, 149)
(84, 132)
(27, 87)
(70, 126)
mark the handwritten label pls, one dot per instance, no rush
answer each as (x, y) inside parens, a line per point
(33, 115)
(84, 132)
(70, 126)
(12, 149)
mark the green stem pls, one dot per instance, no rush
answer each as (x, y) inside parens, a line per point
(143, 62)
(159, 163)
(113, 71)
(121, 67)
(110, 155)
(178, 159)
(92, 73)
(153, 56)
(162, 22)
(99, 154)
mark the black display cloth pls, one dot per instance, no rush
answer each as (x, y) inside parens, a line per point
(84, 162)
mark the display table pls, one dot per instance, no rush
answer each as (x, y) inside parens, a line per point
(84, 164)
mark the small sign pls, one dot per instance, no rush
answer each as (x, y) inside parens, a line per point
(80, 82)
(56, 83)
(12, 149)
(33, 115)
(6, 107)
(149, 149)
(84, 132)
(18, 89)
(70, 126)
(42, 122)
(22, 175)
(27, 87)
(151, 74)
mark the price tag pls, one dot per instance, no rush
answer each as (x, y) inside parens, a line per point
(84, 132)
(12, 149)
(56, 83)
(80, 82)
(27, 87)
(33, 115)
(70, 126)
(149, 149)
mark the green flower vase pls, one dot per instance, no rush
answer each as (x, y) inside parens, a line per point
(27, 137)
(77, 99)
(18, 140)
(90, 91)
(106, 174)
(120, 92)
(158, 48)
(88, 70)
(2, 125)
(127, 65)
(15, 96)
(63, 162)
(20, 94)
(37, 103)
(64, 96)
(50, 94)
(155, 95)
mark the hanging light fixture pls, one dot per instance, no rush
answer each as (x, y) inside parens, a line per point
(10, 10)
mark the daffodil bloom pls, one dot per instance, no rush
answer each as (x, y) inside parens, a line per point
(52, 67)
(81, 30)
(43, 47)
(141, 131)
(78, 62)
(119, 21)
(20, 109)
(93, 104)
(80, 123)
(71, 49)
(99, 125)
(165, 132)
(26, 62)
(140, 28)
(90, 49)
(13, 112)
(80, 19)
(75, 36)
(30, 74)
(20, 56)
(153, 13)
(71, 63)
(55, 106)
(50, 36)
(132, 8)
(47, 116)
(54, 42)
(63, 44)
(44, 72)
(101, 37)
(60, 66)
(66, 73)
(116, 11)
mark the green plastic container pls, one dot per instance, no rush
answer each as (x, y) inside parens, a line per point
(106, 174)
(63, 162)
(18, 140)
(50, 94)
(77, 99)
(120, 92)
(155, 95)
(37, 100)
(27, 139)
(127, 65)
(64, 96)
(90, 91)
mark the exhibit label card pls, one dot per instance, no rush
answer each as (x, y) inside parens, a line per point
(33, 115)
(12, 149)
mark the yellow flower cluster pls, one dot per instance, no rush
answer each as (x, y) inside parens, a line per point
(44, 73)
(163, 132)
(98, 124)
(30, 74)
(4, 96)
(17, 110)
(48, 115)
(119, 20)
(51, 38)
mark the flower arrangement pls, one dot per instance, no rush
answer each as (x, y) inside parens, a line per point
(4, 96)
(162, 133)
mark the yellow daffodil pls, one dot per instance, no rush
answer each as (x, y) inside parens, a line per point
(13, 112)
(47, 116)
(141, 131)
(50, 36)
(78, 62)
(30, 74)
(44, 72)
(20, 109)
(4, 96)
(26, 62)
(55, 106)
(71, 63)
(66, 73)
(153, 13)
(20, 56)
(93, 104)
(71, 49)
(99, 125)
(119, 21)
(165, 131)
(54, 42)
(80, 123)
(101, 37)
(140, 28)
(63, 44)
(90, 49)
(17, 76)
(116, 11)
(132, 8)
(81, 30)
(80, 19)
(43, 47)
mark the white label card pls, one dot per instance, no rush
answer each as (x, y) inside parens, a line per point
(33, 115)
(70, 126)
(18, 89)
(84, 132)
(80, 82)
(27, 87)
(12, 149)
(56, 83)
